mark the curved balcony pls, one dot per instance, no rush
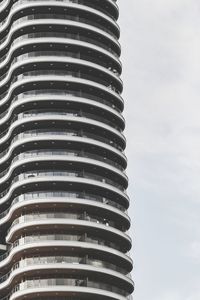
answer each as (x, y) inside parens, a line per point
(75, 260)
(72, 240)
(76, 156)
(84, 215)
(65, 133)
(61, 102)
(71, 46)
(82, 245)
(66, 162)
(79, 68)
(48, 266)
(28, 141)
(40, 28)
(67, 287)
(63, 200)
(73, 199)
(96, 20)
(52, 82)
(83, 76)
(107, 7)
(60, 95)
(47, 114)
(64, 174)
(21, 183)
(86, 208)
(71, 43)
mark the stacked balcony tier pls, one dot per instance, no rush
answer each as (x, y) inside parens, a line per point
(63, 201)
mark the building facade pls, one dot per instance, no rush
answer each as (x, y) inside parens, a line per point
(63, 201)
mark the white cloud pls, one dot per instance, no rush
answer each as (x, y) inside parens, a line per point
(161, 46)
(194, 251)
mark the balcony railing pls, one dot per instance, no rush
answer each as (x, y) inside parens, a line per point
(63, 195)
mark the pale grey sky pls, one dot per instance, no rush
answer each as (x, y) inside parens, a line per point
(161, 59)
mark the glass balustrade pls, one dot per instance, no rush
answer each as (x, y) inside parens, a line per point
(80, 75)
(76, 260)
(42, 133)
(61, 194)
(63, 54)
(57, 93)
(68, 113)
(76, 18)
(64, 174)
(73, 282)
(96, 5)
(71, 173)
(60, 154)
(72, 36)
(85, 238)
(65, 216)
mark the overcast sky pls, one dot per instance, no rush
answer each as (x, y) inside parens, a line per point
(161, 58)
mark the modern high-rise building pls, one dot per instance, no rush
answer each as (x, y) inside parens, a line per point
(63, 202)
